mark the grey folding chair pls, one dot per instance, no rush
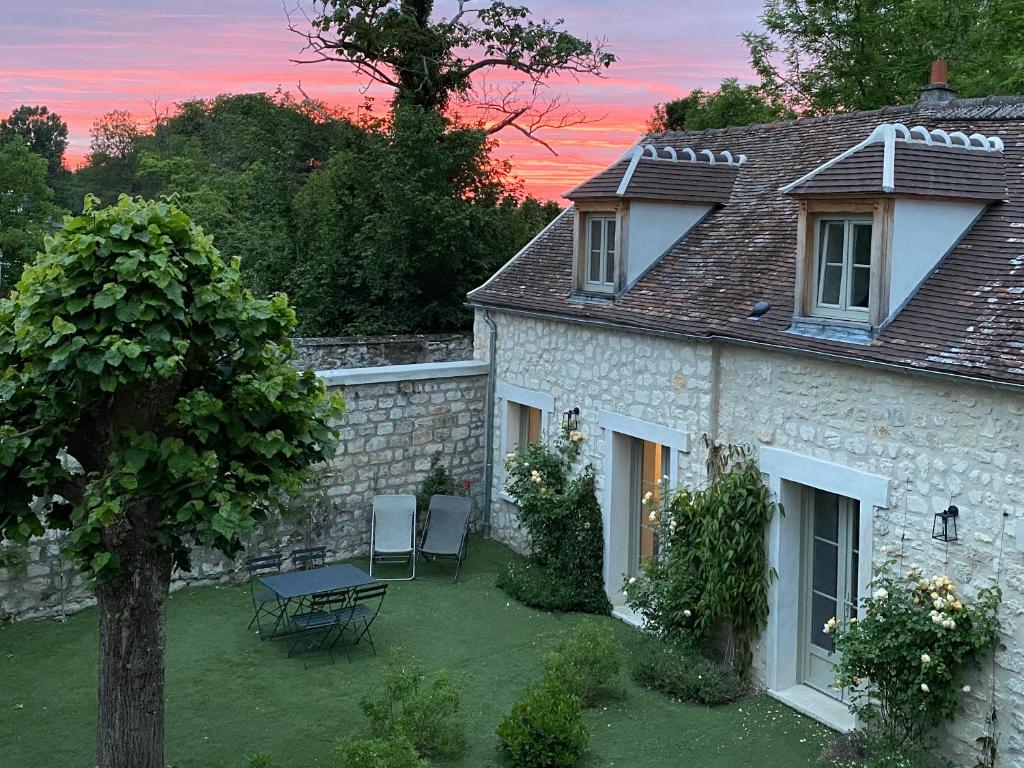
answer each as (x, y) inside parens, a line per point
(393, 533)
(444, 535)
(264, 602)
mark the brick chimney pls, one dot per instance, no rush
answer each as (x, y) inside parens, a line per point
(938, 91)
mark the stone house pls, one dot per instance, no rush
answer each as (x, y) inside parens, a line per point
(844, 294)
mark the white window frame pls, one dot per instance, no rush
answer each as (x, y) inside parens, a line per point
(514, 398)
(842, 310)
(607, 282)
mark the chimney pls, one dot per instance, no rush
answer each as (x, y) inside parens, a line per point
(938, 91)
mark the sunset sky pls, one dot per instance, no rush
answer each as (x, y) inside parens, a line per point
(83, 58)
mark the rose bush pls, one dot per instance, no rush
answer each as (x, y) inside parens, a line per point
(906, 657)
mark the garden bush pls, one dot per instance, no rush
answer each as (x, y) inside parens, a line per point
(411, 708)
(678, 668)
(871, 749)
(544, 730)
(562, 518)
(438, 480)
(360, 752)
(585, 662)
(906, 658)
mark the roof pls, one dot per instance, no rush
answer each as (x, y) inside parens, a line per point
(664, 174)
(967, 318)
(914, 161)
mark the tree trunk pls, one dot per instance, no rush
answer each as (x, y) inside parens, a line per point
(130, 717)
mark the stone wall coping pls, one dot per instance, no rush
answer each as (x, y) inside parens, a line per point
(356, 341)
(342, 377)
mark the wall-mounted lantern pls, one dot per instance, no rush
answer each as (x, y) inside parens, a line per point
(944, 525)
(571, 420)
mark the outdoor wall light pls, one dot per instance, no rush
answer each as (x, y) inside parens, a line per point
(944, 525)
(571, 420)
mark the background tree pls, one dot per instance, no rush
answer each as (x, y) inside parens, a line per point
(731, 104)
(150, 398)
(42, 131)
(429, 61)
(27, 211)
(822, 56)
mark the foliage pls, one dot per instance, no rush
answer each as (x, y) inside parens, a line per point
(905, 659)
(410, 709)
(360, 752)
(14, 556)
(429, 61)
(544, 730)
(27, 211)
(731, 104)
(114, 135)
(832, 55)
(711, 574)
(562, 518)
(437, 481)
(585, 662)
(131, 344)
(678, 668)
(870, 749)
(42, 131)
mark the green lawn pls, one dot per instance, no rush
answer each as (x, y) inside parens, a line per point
(228, 694)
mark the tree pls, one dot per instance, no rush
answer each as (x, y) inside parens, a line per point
(27, 211)
(149, 397)
(114, 135)
(822, 56)
(42, 131)
(428, 62)
(731, 104)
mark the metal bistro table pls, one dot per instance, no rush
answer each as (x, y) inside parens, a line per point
(296, 586)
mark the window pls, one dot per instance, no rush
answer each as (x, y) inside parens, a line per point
(650, 464)
(524, 426)
(842, 257)
(599, 252)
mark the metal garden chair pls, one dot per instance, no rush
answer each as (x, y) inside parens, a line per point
(393, 532)
(357, 617)
(264, 602)
(310, 557)
(318, 627)
(446, 529)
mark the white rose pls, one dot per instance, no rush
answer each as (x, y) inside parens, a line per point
(938, 603)
(925, 688)
(687, 614)
(632, 579)
(880, 594)
(966, 689)
(653, 516)
(926, 659)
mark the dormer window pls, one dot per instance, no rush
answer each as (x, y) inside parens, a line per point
(843, 267)
(600, 253)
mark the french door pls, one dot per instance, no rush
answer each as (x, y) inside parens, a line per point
(649, 464)
(831, 561)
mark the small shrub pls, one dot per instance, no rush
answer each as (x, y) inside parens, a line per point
(585, 662)
(544, 730)
(438, 480)
(359, 752)
(424, 713)
(680, 670)
(872, 749)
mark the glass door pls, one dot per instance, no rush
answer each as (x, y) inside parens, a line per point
(650, 463)
(831, 563)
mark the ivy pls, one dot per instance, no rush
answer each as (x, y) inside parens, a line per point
(711, 575)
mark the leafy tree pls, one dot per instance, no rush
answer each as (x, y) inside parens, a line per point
(149, 397)
(429, 61)
(114, 135)
(27, 211)
(42, 131)
(731, 104)
(822, 56)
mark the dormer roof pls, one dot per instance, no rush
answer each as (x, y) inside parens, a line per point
(918, 162)
(666, 174)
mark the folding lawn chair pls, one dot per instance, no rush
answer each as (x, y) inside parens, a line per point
(264, 601)
(360, 614)
(310, 557)
(393, 532)
(444, 535)
(318, 626)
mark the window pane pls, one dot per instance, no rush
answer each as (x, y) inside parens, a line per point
(862, 244)
(822, 609)
(860, 287)
(831, 283)
(609, 268)
(826, 515)
(533, 425)
(594, 251)
(826, 568)
(832, 242)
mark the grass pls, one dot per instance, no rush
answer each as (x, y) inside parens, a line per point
(230, 695)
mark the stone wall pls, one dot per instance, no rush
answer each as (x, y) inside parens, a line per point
(323, 354)
(935, 440)
(395, 419)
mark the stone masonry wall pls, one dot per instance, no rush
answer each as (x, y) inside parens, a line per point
(937, 441)
(324, 354)
(389, 432)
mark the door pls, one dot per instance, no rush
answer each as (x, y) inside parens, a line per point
(831, 562)
(649, 464)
